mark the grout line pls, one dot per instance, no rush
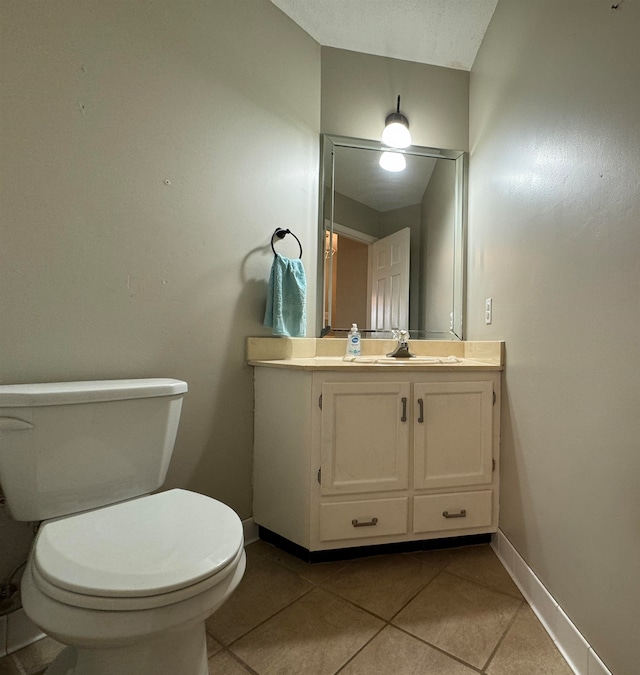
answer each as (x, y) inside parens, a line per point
(364, 646)
(19, 665)
(413, 597)
(387, 622)
(486, 586)
(230, 644)
(518, 569)
(377, 616)
(438, 649)
(523, 603)
(446, 570)
(353, 604)
(237, 659)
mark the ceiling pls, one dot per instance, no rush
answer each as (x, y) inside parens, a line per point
(358, 175)
(438, 32)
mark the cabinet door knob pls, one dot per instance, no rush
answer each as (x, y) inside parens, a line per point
(404, 409)
(461, 514)
(421, 409)
(369, 523)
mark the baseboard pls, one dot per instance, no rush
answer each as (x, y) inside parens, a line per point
(17, 631)
(570, 642)
(250, 531)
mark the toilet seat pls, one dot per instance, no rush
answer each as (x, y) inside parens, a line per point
(147, 552)
(128, 604)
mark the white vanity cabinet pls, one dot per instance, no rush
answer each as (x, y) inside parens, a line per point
(387, 455)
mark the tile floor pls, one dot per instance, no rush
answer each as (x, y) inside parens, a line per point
(450, 612)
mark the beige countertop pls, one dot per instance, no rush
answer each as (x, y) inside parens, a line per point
(328, 354)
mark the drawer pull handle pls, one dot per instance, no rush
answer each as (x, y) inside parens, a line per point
(404, 409)
(462, 514)
(368, 523)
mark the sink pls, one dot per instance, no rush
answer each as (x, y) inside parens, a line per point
(412, 361)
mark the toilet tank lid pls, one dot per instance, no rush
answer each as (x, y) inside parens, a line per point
(64, 393)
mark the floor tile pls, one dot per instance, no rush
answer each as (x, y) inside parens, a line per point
(8, 666)
(38, 655)
(265, 589)
(224, 664)
(382, 584)
(460, 617)
(459, 602)
(316, 636)
(393, 651)
(527, 648)
(439, 557)
(314, 572)
(480, 564)
(213, 646)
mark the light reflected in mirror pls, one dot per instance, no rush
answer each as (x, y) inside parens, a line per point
(392, 242)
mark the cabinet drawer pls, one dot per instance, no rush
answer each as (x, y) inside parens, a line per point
(458, 511)
(362, 519)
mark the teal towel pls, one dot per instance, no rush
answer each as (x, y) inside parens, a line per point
(286, 309)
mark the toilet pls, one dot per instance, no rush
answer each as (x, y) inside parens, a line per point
(123, 577)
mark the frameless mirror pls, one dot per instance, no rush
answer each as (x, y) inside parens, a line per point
(392, 242)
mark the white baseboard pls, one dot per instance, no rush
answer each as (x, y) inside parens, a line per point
(250, 531)
(574, 648)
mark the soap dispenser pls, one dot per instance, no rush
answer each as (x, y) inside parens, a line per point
(353, 341)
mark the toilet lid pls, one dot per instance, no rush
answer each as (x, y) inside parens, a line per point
(146, 546)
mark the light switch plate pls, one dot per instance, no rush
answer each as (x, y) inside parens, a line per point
(488, 310)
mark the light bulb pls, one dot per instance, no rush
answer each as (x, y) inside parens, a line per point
(396, 135)
(393, 161)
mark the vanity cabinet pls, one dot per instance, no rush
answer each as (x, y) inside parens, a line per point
(375, 457)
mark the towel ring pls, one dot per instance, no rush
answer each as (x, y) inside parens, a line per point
(281, 234)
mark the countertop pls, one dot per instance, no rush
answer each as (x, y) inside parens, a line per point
(327, 354)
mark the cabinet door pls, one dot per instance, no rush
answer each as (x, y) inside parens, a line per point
(453, 434)
(365, 437)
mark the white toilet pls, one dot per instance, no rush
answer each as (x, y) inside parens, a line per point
(124, 577)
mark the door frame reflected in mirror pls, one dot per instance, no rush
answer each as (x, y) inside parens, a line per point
(330, 228)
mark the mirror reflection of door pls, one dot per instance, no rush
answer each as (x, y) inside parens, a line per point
(390, 282)
(370, 279)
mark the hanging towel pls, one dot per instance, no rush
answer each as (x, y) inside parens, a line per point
(286, 309)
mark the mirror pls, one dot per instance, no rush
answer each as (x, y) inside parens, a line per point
(392, 243)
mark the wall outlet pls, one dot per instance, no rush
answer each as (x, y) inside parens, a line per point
(488, 310)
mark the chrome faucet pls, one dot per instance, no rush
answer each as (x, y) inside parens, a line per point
(402, 348)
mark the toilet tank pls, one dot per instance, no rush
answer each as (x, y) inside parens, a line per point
(70, 446)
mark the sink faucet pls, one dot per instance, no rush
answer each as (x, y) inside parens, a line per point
(402, 348)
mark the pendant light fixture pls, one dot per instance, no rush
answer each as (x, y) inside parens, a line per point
(395, 136)
(396, 130)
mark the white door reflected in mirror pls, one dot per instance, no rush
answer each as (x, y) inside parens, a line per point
(390, 281)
